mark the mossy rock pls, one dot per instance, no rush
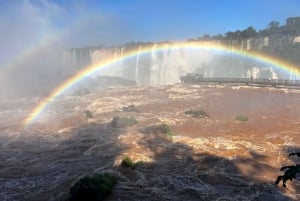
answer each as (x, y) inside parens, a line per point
(130, 108)
(93, 188)
(128, 163)
(122, 122)
(164, 128)
(241, 117)
(197, 113)
(88, 114)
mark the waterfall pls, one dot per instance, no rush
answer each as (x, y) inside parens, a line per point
(154, 68)
(273, 74)
(293, 75)
(116, 69)
(115, 57)
(254, 73)
(74, 57)
(165, 63)
(121, 56)
(136, 76)
(266, 41)
(166, 68)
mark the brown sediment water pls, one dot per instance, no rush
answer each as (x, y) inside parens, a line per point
(211, 158)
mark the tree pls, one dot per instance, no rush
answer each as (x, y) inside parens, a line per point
(290, 172)
(237, 34)
(263, 32)
(233, 35)
(250, 32)
(273, 25)
(229, 35)
(218, 37)
(206, 36)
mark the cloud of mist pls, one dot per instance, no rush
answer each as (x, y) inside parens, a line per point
(34, 35)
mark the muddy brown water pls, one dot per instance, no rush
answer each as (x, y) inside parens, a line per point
(212, 158)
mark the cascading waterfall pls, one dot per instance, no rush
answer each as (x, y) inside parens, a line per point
(74, 57)
(136, 76)
(253, 73)
(154, 68)
(118, 65)
(273, 73)
(292, 75)
(165, 65)
(121, 55)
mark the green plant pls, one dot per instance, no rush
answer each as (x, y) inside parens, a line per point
(241, 117)
(197, 113)
(93, 188)
(128, 163)
(164, 128)
(122, 122)
(290, 172)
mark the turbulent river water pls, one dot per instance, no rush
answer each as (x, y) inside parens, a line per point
(211, 158)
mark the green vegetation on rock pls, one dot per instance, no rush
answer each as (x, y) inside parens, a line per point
(197, 113)
(290, 172)
(164, 128)
(241, 117)
(128, 163)
(93, 188)
(122, 122)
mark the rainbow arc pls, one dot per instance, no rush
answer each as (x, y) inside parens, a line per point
(65, 86)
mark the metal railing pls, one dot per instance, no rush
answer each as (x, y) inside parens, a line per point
(273, 82)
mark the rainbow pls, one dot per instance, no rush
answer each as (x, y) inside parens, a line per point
(65, 86)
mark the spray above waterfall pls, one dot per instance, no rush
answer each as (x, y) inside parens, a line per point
(164, 63)
(107, 63)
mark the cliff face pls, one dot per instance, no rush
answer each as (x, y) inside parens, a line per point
(274, 42)
(165, 65)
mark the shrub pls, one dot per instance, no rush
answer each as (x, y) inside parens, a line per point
(122, 122)
(164, 128)
(197, 113)
(290, 172)
(241, 117)
(128, 163)
(93, 188)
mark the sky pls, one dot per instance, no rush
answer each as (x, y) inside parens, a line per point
(97, 22)
(26, 24)
(34, 33)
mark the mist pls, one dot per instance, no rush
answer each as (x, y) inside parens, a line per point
(210, 118)
(34, 35)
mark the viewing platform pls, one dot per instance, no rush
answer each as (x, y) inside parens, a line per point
(194, 78)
